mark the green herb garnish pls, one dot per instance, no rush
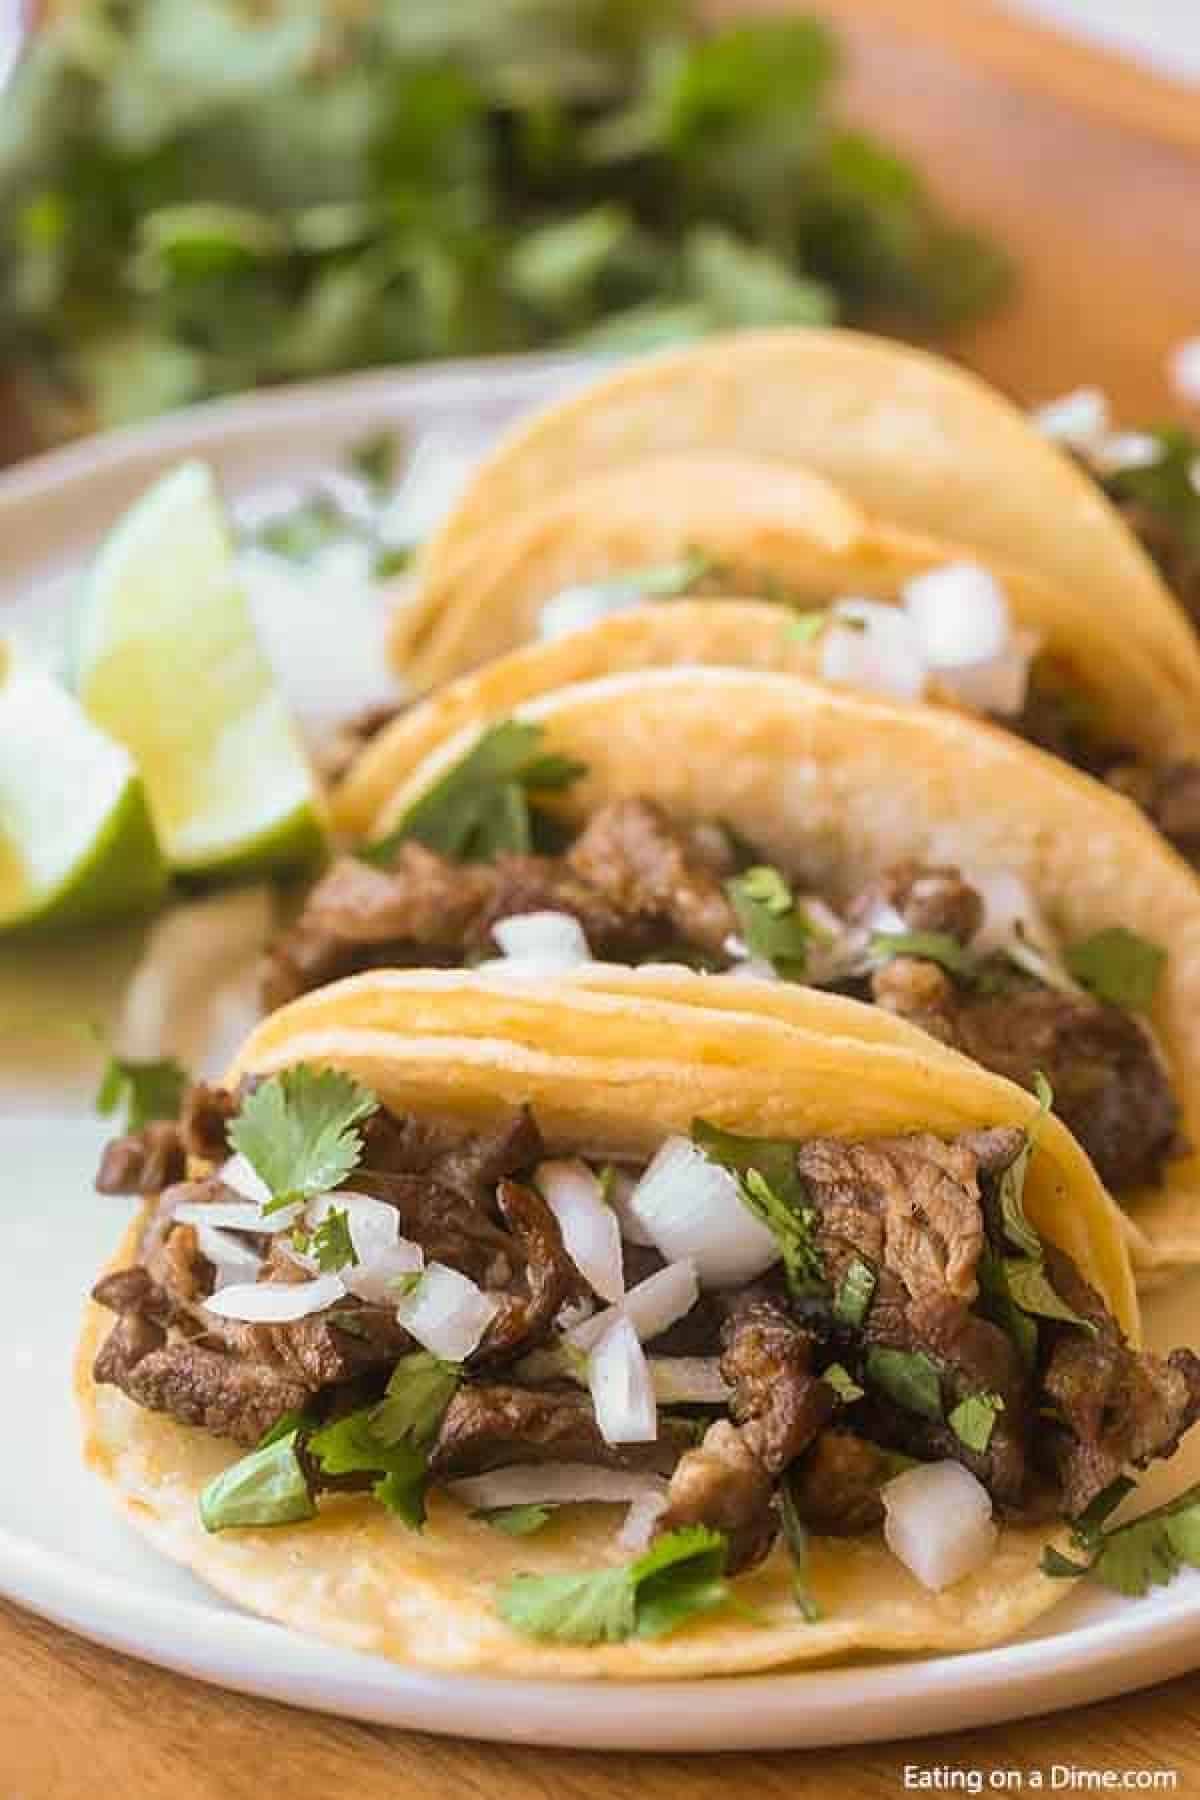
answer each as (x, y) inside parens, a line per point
(1118, 966)
(795, 1533)
(374, 460)
(680, 1576)
(515, 1521)
(296, 1130)
(1135, 1557)
(481, 806)
(770, 923)
(908, 1377)
(842, 1383)
(419, 1389)
(855, 1292)
(352, 1446)
(774, 1193)
(268, 1487)
(807, 627)
(930, 946)
(1025, 1284)
(330, 1244)
(974, 1419)
(143, 1091)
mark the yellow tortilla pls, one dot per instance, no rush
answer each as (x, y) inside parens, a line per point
(354, 1575)
(907, 436)
(1128, 691)
(840, 787)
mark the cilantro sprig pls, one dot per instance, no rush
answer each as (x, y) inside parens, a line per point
(678, 1578)
(1118, 966)
(1132, 1558)
(772, 925)
(773, 1191)
(331, 1244)
(141, 1091)
(1022, 1280)
(297, 1131)
(482, 806)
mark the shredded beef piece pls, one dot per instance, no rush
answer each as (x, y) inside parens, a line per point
(1117, 1405)
(778, 1402)
(721, 1483)
(1169, 793)
(448, 1228)
(909, 1205)
(551, 1278)
(524, 884)
(205, 1119)
(131, 1339)
(473, 1165)
(927, 899)
(223, 1394)
(335, 1346)
(490, 1425)
(975, 1357)
(836, 1483)
(1109, 1086)
(128, 1291)
(630, 852)
(143, 1162)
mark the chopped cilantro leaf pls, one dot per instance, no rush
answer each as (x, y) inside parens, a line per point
(144, 1091)
(808, 626)
(855, 1292)
(771, 1188)
(419, 1389)
(842, 1383)
(391, 559)
(374, 461)
(296, 1130)
(770, 923)
(351, 1446)
(515, 1521)
(680, 1576)
(795, 1533)
(908, 1377)
(973, 1420)
(330, 1244)
(998, 1305)
(929, 946)
(481, 807)
(1139, 1555)
(284, 1426)
(268, 1487)
(1033, 1292)
(1118, 966)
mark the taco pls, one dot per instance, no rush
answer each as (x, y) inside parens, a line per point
(567, 1336)
(1066, 678)
(769, 826)
(906, 436)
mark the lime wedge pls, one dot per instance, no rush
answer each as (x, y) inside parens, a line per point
(166, 661)
(76, 842)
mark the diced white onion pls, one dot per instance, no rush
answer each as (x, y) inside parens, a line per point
(998, 687)
(1007, 905)
(938, 1523)
(688, 1380)
(374, 1226)
(638, 1526)
(1126, 450)
(234, 1215)
(275, 1302)
(693, 1208)
(1183, 367)
(554, 1484)
(959, 614)
(651, 1307)
(446, 1312)
(590, 1229)
(621, 1389)
(1077, 420)
(373, 1281)
(550, 939)
(240, 1175)
(575, 608)
(870, 645)
(232, 1260)
(620, 1196)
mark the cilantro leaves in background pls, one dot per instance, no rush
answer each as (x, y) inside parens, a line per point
(141, 1091)
(315, 188)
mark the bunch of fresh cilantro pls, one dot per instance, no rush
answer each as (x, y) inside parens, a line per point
(197, 196)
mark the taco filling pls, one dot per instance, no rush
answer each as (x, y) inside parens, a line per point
(742, 1338)
(971, 961)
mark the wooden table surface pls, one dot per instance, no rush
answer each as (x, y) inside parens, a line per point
(1090, 172)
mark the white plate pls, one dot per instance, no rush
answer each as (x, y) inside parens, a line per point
(65, 1554)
